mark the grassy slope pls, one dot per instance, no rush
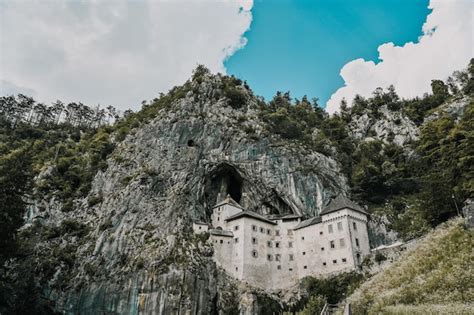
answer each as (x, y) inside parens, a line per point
(436, 277)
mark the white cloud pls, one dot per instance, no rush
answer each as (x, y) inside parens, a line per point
(445, 46)
(114, 52)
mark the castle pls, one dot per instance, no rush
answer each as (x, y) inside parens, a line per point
(274, 252)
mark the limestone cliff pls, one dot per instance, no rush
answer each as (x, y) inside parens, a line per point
(137, 253)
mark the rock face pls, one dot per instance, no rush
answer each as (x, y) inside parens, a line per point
(140, 255)
(391, 126)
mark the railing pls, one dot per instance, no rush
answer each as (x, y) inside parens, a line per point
(324, 311)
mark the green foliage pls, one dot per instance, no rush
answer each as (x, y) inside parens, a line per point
(15, 172)
(334, 288)
(314, 306)
(379, 257)
(437, 272)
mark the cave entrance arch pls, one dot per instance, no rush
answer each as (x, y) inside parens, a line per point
(223, 180)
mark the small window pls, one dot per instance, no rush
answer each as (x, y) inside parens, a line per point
(342, 243)
(305, 267)
(339, 226)
(269, 257)
(236, 228)
(354, 225)
(291, 269)
(304, 253)
(262, 230)
(321, 233)
(357, 242)
(218, 219)
(254, 228)
(290, 244)
(344, 260)
(277, 232)
(236, 240)
(332, 244)
(254, 254)
(222, 241)
(277, 257)
(302, 238)
(236, 268)
(290, 232)
(199, 227)
(291, 257)
(215, 241)
(269, 244)
(269, 232)
(277, 244)
(330, 228)
(279, 267)
(322, 249)
(334, 261)
(324, 264)
(254, 240)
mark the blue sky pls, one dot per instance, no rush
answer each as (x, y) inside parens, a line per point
(302, 45)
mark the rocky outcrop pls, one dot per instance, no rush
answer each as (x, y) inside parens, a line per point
(390, 126)
(139, 255)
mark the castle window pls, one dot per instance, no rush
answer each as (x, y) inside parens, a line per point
(279, 267)
(269, 257)
(330, 228)
(236, 228)
(277, 257)
(290, 232)
(254, 254)
(342, 243)
(354, 225)
(291, 269)
(305, 267)
(269, 244)
(277, 244)
(222, 241)
(339, 226)
(269, 232)
(254, 228)
(302, 237)
(357, 242)
(218, 219)
(344, 260)
(277, 232)
(321, 233)
(236, 268)
(236, 240)
(291, 257)
(304, 253)
(290, 244)
(254, 240)
(262, 230)
(331, 243)
(322, 249)
(324, 263)
(334, 261)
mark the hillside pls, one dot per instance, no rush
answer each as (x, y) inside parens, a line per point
(96, 217)
(434, 277)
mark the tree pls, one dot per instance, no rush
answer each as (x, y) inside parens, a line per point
(15, 170)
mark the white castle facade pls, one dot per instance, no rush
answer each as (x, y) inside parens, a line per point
(275, 252)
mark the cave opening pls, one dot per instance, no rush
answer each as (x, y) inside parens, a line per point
(191, 143)
(224, 180)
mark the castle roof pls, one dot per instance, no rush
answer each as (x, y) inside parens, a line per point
(228, 200)
(342, 202)
(308, 222)
(250, 214)
(219, 232)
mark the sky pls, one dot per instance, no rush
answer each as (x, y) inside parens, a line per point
(121, 52)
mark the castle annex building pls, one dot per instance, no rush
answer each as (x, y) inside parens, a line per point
(274, 252)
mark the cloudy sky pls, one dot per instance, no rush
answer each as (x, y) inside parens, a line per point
(121, 52)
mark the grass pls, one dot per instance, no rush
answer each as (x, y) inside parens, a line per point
(435, 276)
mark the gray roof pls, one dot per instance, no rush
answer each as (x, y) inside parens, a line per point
(308, 222)
(284, 217)
(250, 214)
(201, 223)
(228, 200)
(342, 202)
(219, 232)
